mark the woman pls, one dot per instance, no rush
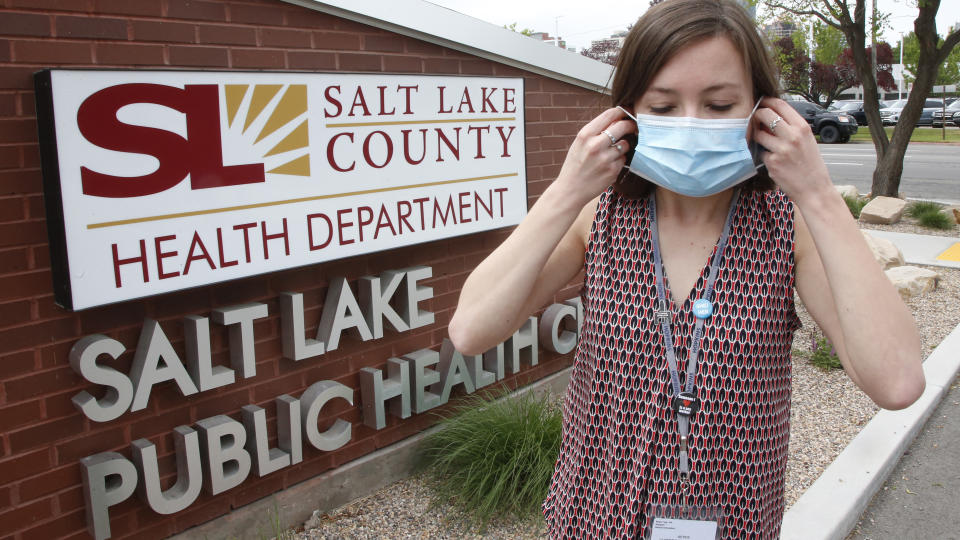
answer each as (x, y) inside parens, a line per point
(678, 403)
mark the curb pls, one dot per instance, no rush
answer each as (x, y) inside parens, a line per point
(831, 507)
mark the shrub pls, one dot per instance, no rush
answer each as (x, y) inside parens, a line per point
(497, 457)
(929, 215)
(823, 355)
(855, 204)
(920, 208)
(935, 220)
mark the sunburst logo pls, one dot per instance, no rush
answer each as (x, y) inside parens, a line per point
(271, 120)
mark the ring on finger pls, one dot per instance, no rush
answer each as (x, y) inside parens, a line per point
(773, 125)
(613, 140)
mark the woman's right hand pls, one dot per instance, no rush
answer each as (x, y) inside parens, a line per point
(593, 161)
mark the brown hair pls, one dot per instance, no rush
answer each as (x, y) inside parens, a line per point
(665, 29)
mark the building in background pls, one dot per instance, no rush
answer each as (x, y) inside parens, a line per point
(779, 30)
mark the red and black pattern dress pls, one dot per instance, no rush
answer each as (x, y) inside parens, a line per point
(620, 442)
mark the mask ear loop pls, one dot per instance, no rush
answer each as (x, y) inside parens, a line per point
(626, 166)
(755, 148)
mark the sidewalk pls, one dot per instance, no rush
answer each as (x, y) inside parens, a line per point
(832, 506)
(921, 249)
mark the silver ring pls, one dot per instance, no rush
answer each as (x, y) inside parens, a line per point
(613, 140)
(773, 125)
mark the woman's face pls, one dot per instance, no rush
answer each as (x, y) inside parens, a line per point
(704, 80)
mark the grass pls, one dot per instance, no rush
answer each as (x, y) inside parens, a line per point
(936, 220)
(919, 208)
(279, 531)
(928, 214)
(493, 458)
(919, 134)
(823, 356)
(855, 204)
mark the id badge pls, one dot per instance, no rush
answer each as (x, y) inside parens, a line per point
(676, 522)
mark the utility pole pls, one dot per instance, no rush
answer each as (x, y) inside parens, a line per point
(900, 86)
(810, 69)
(873, 44)
(556, 28)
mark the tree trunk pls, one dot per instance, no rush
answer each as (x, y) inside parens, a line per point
(854, 29)
(886, 177)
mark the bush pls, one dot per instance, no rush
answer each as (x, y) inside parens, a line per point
(495, 457)
(855, 204)
(823, 355)
(936, 220)
(929, 215)
(920, 208)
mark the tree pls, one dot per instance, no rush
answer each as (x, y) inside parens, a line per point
(821, 79)
(513, 27)
(948, 72)
(604, 50)
(932, 53)
(884, 71)
(828, 43)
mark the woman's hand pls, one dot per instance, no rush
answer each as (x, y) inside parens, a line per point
(792, 159)
(594, 161)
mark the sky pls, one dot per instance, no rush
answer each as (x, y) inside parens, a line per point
(581, 21)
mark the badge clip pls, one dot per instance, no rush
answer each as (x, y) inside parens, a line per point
(663, 312)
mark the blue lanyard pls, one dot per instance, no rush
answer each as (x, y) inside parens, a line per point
(685, 402)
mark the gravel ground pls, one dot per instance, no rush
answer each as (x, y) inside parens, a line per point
(828, 411)
(909, 225)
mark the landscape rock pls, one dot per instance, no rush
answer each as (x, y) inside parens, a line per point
(313, 522)
(953, 213)
(911, 281)
(884, 251)
(884, 210)
(848, 191)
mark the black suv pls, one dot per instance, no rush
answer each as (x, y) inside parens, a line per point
(831, 126)
(851, 108)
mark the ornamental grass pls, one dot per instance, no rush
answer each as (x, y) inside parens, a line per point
(493, 458)
(855, 205)
(929, 215)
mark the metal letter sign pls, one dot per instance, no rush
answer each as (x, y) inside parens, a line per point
(161, 181)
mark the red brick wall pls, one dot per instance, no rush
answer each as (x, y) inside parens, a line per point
(42, 436)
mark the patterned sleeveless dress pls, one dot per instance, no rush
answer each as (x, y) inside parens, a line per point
(619, 451)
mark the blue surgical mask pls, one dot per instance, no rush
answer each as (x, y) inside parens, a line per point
(696, 157)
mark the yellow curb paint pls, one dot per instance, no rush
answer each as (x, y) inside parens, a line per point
(951, 254)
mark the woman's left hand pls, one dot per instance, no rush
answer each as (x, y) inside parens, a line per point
(792, 157)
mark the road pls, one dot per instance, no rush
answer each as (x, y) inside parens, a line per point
(930, 171)
(919, 498)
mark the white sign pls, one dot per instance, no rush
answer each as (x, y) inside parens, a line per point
(170, 180)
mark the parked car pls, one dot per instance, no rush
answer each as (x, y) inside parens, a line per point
(851, 107)
(891, 114)
(831, 126)
(939, 115)
(956, 119)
